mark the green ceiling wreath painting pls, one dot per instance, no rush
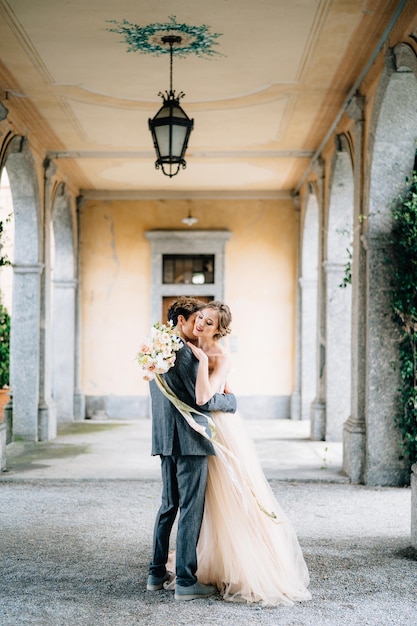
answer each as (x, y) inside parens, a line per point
(196, 40)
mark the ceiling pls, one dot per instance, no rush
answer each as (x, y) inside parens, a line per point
(262, 104)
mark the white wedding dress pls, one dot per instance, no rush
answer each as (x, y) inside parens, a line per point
(247, 546)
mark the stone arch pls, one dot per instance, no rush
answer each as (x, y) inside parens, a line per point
(393, 133)
(25, 353)
(309, 304)
(338, 295)
(64, 287)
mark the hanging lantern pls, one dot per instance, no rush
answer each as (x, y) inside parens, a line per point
(171, 127)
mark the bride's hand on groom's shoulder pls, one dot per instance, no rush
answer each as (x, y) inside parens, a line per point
(198, 352)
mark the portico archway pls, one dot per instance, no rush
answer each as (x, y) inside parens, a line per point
(26, 308)
(391, 159)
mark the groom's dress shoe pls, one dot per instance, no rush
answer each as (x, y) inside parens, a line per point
(198, 590)
(155, 584)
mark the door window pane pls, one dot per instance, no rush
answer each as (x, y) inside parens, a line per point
(193, 269)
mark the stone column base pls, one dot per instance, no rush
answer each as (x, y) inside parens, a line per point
(2, 446)
(8, 420)
(47, 421)
(354, 451)
(79, 407)
(318, 421)
(295, 406)
(414, 506)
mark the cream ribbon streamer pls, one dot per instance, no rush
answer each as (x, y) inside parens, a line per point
(221, 451)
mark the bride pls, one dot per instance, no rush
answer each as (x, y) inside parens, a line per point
(247, 546)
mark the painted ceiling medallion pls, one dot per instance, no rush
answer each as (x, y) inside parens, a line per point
(149, 39)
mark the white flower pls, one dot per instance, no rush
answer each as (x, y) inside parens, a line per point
(157, 352)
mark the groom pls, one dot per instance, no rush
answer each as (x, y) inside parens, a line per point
(184, 464)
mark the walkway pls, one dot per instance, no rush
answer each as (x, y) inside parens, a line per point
(76, 518)
(121, 450)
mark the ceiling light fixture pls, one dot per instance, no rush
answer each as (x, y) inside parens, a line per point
(171, 127)
(190, 220)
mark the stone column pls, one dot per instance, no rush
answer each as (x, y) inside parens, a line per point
(28, 319)
(354, 431)
(295, 407)
(25, 350)
(63, 348)
(338, 361)
(79, 396)
(308, 344)
(318, 406)
(46, 412)
(382, 380)
(391, 152)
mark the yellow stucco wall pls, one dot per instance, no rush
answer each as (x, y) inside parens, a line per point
(260, 288)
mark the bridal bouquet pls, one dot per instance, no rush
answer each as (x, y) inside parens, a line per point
(157, 352)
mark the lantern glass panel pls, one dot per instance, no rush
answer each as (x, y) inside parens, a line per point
(179, 134)
(162, 139)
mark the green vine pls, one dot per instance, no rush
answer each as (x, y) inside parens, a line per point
(4, 318)
(347, 273)
(4, 346)
(404, 303)
(3, 258)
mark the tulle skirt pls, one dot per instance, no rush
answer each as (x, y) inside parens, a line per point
(247, 546)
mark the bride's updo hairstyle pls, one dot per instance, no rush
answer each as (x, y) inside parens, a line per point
(225, 317)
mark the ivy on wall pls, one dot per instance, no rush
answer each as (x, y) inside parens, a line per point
(404, 303)
(4, 319)
(347, 272)
(4, 346)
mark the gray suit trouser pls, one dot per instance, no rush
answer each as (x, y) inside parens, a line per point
(184, 480)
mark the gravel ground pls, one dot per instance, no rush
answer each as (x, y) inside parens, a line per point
(76, 553)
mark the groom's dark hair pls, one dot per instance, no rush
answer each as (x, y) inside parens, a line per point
(185, 306)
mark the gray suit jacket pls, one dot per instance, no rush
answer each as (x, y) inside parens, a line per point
(171, 435)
